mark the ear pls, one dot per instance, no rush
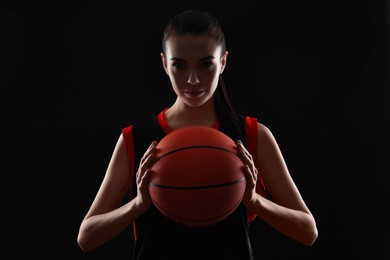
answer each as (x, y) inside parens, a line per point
(164, 62)
(223, 61)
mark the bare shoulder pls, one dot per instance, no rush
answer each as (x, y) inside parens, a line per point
(263, 132)
(267, 146)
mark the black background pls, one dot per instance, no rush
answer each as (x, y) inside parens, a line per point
(74, 73)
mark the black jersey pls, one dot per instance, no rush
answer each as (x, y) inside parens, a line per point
(158, 237)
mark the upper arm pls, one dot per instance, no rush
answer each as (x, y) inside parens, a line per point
(115, 182)
(274, 171)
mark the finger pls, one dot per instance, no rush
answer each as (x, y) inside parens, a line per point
(245, 157)
(247, 153)
(145, 178)
(151, 149)
(243, 151)
(249, 176)
(145, 164)
(248, 172)
(152, 146)
(252, 171)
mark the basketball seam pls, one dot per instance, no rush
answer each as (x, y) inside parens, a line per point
(193, 147)
(196, 187)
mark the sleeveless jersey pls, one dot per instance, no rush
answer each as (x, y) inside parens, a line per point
(157, 237)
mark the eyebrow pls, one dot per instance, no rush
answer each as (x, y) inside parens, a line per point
(210, 57)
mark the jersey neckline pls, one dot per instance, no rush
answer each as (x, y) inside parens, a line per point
(167, 128)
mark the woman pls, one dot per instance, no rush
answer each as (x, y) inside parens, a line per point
(194, 57)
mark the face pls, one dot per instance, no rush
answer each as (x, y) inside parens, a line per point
(193, 64)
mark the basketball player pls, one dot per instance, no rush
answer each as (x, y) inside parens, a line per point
(194, 57)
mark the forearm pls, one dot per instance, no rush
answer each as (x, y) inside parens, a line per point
(98, 229)
(295, 224)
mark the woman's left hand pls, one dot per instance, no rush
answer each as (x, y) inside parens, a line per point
(251, 173)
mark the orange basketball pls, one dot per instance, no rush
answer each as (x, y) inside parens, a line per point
(198, 177)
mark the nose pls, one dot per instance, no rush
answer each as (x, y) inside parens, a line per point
(193, 78)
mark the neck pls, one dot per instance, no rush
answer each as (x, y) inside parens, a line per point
(180, 114)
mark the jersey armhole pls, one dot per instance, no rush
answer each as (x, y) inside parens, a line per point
(127, 134)
(251, 141)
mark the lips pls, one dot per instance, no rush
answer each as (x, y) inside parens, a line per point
(194, 93)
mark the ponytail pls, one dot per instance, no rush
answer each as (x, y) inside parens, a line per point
(225, 111)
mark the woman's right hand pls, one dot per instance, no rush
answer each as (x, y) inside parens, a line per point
(143, 199)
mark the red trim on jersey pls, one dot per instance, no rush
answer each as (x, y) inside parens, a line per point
(251, 140)
(164, 125)
(127, 133)
(216, 124)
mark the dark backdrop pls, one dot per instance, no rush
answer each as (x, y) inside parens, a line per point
(74, 73)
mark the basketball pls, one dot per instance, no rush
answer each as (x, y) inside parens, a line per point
(197, 176)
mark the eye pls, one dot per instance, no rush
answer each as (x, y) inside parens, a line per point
(207, 65)
(178, 65)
